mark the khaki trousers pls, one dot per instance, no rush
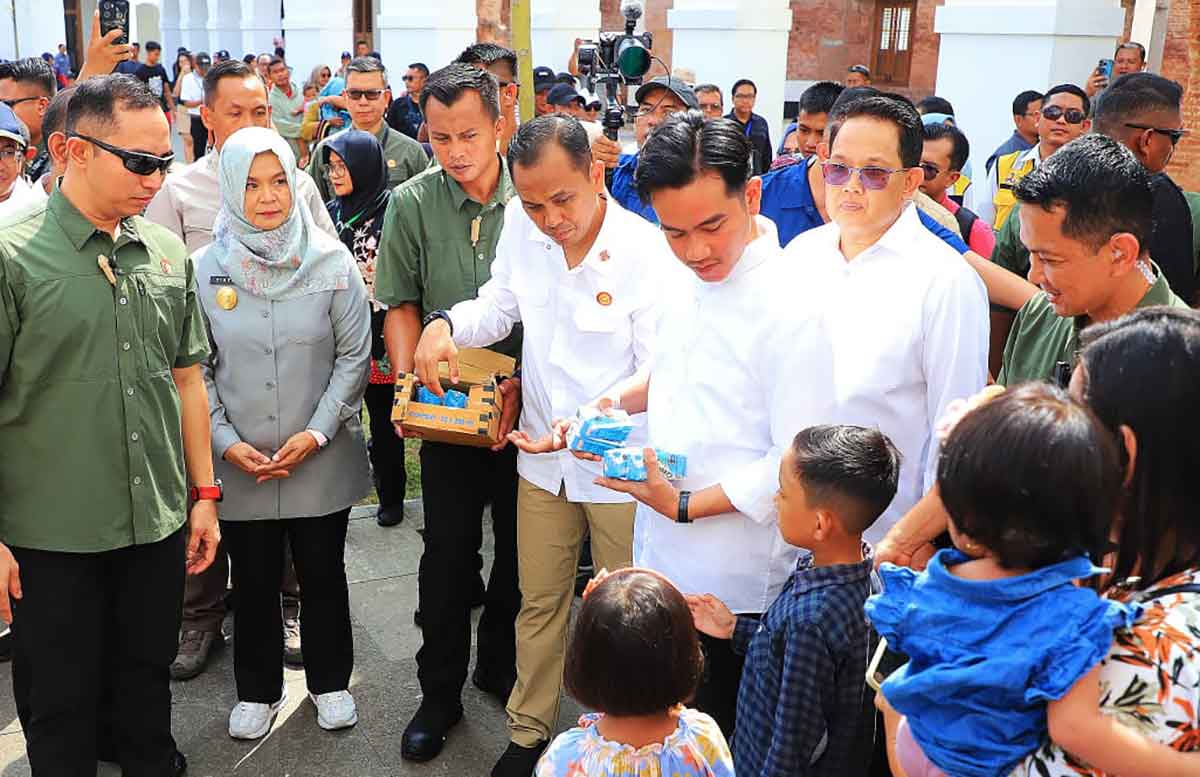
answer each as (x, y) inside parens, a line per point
(550, 533)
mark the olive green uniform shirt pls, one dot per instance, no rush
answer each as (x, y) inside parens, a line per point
(403, 156)
(437, 245)
(1010, 253)
(91, 442)
(1040, 338)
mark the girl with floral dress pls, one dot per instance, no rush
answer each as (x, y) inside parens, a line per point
(634, 657)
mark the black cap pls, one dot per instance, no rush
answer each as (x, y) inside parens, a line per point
(543, 78)
(202, 58)
(863, 69)
(566, 78)
(677, 87)
(563, 94)
(346, 55)
(223, 54)
(181, 50)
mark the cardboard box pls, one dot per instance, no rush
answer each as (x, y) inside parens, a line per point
(477, 425)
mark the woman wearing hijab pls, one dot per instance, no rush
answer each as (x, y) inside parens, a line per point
(289, 327)
(360, 183)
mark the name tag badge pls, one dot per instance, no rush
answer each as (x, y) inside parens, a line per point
(391, 163)
(227, 298)
(220, 280)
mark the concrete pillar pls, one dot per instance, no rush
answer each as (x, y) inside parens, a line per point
(193, 24)
(316, 33)
(260, 24)
(36, 30)
(1150, 29)
(168, 22)
(432, 33)
(992, 50)
(555, 24)
(224, 26)
(724, 40)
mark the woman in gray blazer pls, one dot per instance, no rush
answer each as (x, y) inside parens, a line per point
(289, 324)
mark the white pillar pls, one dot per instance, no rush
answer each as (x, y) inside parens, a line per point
(193, 24)
(554, 26)
(168, 22)
(1150, 29)
(724, 40)
(1007, 48)
(224, 26)
(317, 33)
(260, 24)
(37, 30)
(432, 33)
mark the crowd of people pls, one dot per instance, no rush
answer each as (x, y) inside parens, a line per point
(930, 524)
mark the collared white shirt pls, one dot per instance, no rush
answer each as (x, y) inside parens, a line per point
(585, 329)
(908, 319)
(741, 366)
(190, 90)
(985, 196)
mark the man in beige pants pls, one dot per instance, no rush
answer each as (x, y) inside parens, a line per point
(581, 274)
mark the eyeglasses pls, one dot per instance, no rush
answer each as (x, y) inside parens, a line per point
(1174, 134)
(17, 101)
(10, 155)
(136, 162)
(1072, 115)
(409, 78)
(931, 170)
(744, 96)
(337, 170)
(370, 94)
(873, 178)
(1031, 114)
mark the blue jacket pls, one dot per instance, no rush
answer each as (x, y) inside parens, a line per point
(624, 191)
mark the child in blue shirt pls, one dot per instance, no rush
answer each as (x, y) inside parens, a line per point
(800, 708)
(1004, 648)
(635, 659)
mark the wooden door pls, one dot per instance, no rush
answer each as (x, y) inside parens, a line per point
(894, 21)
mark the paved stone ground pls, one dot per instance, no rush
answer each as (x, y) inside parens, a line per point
(382, 568)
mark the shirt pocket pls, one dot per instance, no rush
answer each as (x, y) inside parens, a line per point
(305, 320)
(162, 300)
(602, 330)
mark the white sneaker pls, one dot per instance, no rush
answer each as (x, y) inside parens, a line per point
(252, 720)
(335, 710)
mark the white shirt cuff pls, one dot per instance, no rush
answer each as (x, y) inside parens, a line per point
(321, 439)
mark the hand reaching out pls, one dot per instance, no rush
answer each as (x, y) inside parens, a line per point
(711, 616)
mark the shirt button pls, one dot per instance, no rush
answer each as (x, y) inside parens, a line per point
(137, 481)
(270, 350)
(266, 314)
(481, 257)
(129, 391)
(270, 384)
(134, 437)
(124, 346)
(123, 301)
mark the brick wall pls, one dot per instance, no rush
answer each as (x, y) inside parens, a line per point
(1181, 62)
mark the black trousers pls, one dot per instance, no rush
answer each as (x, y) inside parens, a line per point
(199, 137)
(94, 636)
(318, 546)
(718, 691)
(457, 483)
(386, 448)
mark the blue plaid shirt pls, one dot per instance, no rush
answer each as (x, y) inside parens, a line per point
(800, 707)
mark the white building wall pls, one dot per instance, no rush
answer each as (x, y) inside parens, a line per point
(428, 34)
(316, 33)
(36, 29)
(554, 26)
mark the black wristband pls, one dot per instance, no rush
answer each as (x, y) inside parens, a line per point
(435, 315)
(682, 515)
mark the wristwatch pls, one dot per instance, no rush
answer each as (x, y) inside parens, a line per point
(215, 492)
(435, 315)
(682, 515)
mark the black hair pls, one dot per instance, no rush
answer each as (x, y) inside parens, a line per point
(820, 97)
(1157, 535)
(360, 42)
(486, 54)
(1102, 187)
(30, 70)
(566, 78)
(1070, 89)
(1032, 476)
(634, 649)
(887, 108)
(1131, 44)
(275, 61)
(743, 82)
(55, 117)
(96, 101)
(425, 68)
(366, 65)
(250, 59)
(153, 45)
(447, 85)
(851, 93)
(1021, 102)
(531, 139)
(709, 88)
(934, 104)
(851, 468)
(960, 149)
(1133, 95)
(685, 146)
(226, 68)
(279, 52)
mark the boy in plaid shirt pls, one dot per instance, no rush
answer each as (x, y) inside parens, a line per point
(802, 705)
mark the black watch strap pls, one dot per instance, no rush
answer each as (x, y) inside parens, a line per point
(435, 315)
(682, 515)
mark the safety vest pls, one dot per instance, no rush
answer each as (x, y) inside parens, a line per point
(959, 190)
(1008, 177)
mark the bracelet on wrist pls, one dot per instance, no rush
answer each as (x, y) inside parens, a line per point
(681, 515)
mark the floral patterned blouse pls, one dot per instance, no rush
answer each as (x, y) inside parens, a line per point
(362, 239)
(1150, 680)
(696, 749)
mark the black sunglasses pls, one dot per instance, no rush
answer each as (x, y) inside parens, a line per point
(1174, 134)
(1072, 115)
(354, 95)
(136, 162)
(931, 170)
(15, 102)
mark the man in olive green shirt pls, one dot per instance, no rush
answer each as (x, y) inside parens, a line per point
(439, 239)
(1086, 216)
(287, 108)
(102, 405)
(367, 98)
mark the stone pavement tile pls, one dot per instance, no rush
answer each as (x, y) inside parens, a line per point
(12, 750)
(374, 553)
(383, 612)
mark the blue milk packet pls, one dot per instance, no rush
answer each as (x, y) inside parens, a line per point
(630, 464)
(455, 399)
(596, 432)
(427, 397)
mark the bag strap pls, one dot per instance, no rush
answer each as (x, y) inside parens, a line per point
(1149, 596)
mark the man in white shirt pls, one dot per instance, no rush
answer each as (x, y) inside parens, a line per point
(741, 365)
(908, 318)
(583, 276)
(191, 95)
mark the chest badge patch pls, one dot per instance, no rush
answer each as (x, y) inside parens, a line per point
(165, 265)
(604, 255)
(391, 163)
(227, 298)
(604, 298)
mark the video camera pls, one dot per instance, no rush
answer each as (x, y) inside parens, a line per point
(616, 58)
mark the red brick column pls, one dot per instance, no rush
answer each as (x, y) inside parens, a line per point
(1181, 62)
